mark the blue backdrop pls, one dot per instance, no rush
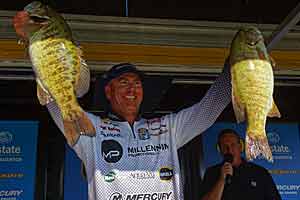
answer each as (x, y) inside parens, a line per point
(75, 187)
(18, 148)
(285, 145)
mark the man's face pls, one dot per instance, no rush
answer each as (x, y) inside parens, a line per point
(125, 94)
(229, 143)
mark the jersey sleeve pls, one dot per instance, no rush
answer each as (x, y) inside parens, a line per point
(56, 115)
(194, 120)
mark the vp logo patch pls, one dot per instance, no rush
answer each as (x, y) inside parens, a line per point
(111, 150)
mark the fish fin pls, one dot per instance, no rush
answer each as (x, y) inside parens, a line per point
(43, 94)
(81, 126)
(274, 112)
(272, 61)
(265, 56)
(256, 146)
(25, 43)
(238, 108)
(83, 84)
(262, 55)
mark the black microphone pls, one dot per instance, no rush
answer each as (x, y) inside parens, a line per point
(228, 158)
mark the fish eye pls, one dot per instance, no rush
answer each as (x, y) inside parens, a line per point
(38, 19)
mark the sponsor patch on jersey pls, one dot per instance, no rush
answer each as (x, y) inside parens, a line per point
(143, 134)
(154, 124)
(150, 149)
(108, 134)
(160, 131)
(142, 174)
(116, 196)
(142, 196)
(110, 177)
(157, 127)
(111, 151)
(166, 173)
(110, 128)
(108, 121)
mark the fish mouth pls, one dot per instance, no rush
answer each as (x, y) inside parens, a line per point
(253, 38)
(252, 35)
(253, 43)
(22, 21)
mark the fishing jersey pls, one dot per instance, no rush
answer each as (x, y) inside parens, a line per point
(140, 161)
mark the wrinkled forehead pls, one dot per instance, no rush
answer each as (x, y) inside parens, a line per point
(229, 138)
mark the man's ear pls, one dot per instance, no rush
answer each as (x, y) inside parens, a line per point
(107, 90)
(242, 145)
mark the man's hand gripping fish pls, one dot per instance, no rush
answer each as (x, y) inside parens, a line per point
(57, 64)
(252, 89)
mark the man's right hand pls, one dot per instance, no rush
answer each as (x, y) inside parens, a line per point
(226, 169)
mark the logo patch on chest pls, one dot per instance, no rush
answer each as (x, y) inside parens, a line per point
(111, 150)
(143, 134)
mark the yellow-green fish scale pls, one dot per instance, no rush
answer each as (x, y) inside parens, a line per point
(56, 62)
(253, 80)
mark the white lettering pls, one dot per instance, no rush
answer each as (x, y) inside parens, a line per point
(111, 154)
(143, 175)
(10, 150)
(288, 187)
(280, 149)
(7, 193)
(11, 159)
(153, 196)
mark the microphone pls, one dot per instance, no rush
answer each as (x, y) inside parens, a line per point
(228, 158)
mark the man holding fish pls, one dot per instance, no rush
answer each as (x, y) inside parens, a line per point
(125, 155)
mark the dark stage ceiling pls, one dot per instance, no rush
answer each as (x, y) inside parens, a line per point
(252, 11)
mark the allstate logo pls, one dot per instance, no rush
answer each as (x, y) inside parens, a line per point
(273, 137)
(5, 137)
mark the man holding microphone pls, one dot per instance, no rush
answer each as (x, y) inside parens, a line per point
(235, 178)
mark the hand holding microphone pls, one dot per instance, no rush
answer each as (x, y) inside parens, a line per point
(227, 169)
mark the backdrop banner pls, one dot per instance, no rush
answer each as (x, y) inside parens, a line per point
(284, 141)
(75, 185)
(18, 148)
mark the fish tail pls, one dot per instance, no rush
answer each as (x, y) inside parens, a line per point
(274, 112)
(256, 146)
(81, 125)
